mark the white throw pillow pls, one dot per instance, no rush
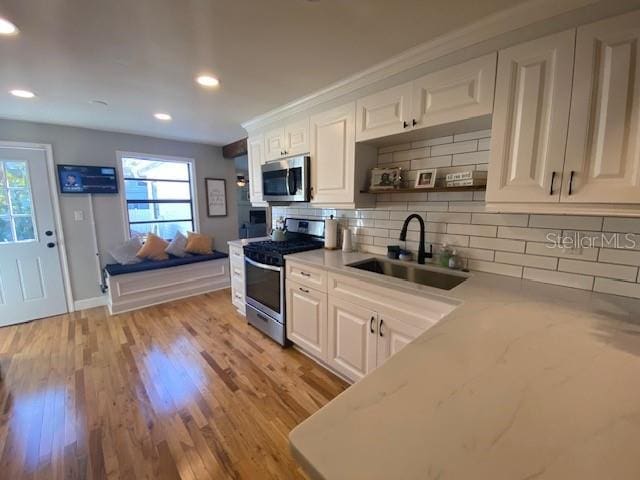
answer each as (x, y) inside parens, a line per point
(177, 245)
(125, 254)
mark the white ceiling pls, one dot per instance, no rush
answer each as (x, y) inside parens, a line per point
(141, 56)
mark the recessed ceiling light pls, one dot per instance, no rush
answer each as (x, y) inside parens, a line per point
(208, 81)
(162, 116)
(22, 93)
(7, 28)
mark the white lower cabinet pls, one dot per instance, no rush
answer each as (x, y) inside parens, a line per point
(352, 339)
(236, 270)
(350, 325)
(307, 319)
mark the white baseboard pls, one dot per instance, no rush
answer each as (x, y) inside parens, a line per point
(90, 303)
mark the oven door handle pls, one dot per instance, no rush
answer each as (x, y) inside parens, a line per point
(262, 265)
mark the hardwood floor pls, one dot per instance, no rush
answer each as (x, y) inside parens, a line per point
(181, 390)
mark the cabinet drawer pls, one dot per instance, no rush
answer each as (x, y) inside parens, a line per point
(419, 311)
(237, 290)
(237, 270)
(236, 254)
(307, 276)
(307, 319)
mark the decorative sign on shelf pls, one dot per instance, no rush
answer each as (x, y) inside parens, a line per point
(216, 197)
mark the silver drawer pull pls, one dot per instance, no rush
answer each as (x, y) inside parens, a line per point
(304, 290)
(305, 274)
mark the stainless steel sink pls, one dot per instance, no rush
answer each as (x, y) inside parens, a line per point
(424, 275)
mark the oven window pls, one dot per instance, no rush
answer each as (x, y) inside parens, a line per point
(263, 285)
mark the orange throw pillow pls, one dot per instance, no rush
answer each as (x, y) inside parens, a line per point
(153, 248)
(199, 244)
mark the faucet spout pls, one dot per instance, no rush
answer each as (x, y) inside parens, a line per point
(422, 254)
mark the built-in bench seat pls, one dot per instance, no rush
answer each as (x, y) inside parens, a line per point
(147, 283)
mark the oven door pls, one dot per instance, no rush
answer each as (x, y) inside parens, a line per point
(286, 180)
(265, 288)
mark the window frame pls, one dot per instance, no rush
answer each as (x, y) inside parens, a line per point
(190, 162)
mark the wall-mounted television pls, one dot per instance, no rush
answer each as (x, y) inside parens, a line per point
(87, 179)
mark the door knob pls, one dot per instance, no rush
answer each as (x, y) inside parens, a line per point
(51, 244)
(48, 233)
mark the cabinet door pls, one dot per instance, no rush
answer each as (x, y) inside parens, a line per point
(455, 93)
(307, 319)
(603, 147)
(333, 155)
(297, 137)
(384, 113)
(274, 144)
(352, 338)
(393, 336)
(530, 118)
(255, 152)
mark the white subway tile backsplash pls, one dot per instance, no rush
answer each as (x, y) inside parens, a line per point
(619, 256)
(573, 280)
(616, 287)
(502, 219)
(517, 245)
(493, 267)
(531, 234)
(549, 249)
(607, 270)
(484, 144)
(565, 222)
(433, 141)
(475, 230)
(448, 217)
(488, 243)
(622, 225)
(471, 158)
(410, 154)
(461, 137)
(548, 263)
(451, 148)
(432, 162)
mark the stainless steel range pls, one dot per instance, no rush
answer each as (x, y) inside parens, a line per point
(264, 274)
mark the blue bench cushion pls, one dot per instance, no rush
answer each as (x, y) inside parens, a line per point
(117, 269)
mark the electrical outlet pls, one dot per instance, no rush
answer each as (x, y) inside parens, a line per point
(78, 215)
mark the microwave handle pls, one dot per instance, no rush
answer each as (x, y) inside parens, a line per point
(291, 183)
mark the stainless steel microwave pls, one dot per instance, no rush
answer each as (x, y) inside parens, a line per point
(286, 180)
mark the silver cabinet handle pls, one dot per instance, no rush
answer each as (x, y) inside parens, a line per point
(305, 274)
(553, 178)
(304, 290)
(372, 324)
(381, 331)
(573, 173)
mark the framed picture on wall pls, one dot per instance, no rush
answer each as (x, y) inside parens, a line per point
(216, 189)
(426, 178)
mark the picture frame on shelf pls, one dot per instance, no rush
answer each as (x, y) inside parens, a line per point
(426, 178)
(216, 190)
(385, 178)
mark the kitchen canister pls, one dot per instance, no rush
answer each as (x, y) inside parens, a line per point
(347, 245)
(331, 233)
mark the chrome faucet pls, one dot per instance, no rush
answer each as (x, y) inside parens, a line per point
(421, 249)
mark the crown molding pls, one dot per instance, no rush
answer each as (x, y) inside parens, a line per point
(484, 29)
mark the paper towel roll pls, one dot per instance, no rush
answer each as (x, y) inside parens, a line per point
(331, 233)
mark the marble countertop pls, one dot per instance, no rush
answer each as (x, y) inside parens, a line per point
(522, 381)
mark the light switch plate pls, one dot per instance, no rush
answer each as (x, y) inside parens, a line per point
(78, 215)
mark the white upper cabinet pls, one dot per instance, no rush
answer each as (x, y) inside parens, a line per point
(456, 93)
(291, 139)
(530, 116)
(296, 137)
(255, 152)
(274, 145)
(332, 142)
(384, 113)
(603, 149)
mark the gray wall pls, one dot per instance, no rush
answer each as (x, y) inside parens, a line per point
(93, 147)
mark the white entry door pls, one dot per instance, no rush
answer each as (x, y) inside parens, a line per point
(31, 282)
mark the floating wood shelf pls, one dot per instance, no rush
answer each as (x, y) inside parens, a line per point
(474, 188)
